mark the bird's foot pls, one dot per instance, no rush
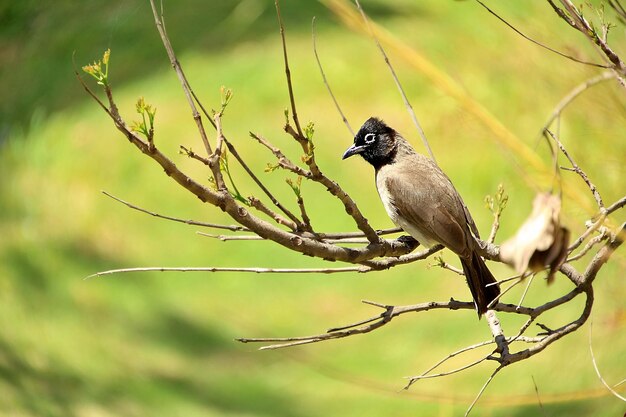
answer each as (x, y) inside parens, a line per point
(408, 241)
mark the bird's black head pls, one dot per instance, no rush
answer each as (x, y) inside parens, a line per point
(375, 142)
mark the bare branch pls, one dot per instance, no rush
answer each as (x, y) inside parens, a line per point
(259, 183)
(537, 42)
(226, 238)
(414, 379)
(234, 228)
(616, 206)
(361, 327)
(259, 205)
(591, 228)
(538, 397)
(574, 93)
(530, 281)
(497, 333)
(191, 154)
(228, 269)
(158, 20)
(480, 393)
(578, 170)
(330, 91)
(592, 242)
(292, 101)
(283, 161)
(603, 255)
(575, 19)
(595, 366)
(440, 262)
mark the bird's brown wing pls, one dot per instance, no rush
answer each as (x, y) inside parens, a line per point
(424, 196)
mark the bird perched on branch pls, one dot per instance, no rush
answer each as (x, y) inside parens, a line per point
(421, 199)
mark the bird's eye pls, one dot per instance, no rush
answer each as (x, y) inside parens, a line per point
(369, 138)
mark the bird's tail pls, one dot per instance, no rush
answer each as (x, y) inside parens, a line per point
(482, 284)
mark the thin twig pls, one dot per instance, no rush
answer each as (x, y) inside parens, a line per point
(292, 100)
(578, 170)
(409, 108)
(480, 393)
(234, 228)
(592, 227)
(349, 235)
(158, 19)
(595, 366)
(440, 262)
(225, 238)
(330, 91)
(283, 161)
(191, 154)
(371, 324)
(512, 278)
(448, 357)
(306, 220)
(528, 38)
(616, 206)
(576, 91)
(228, 269)
(503, 292)
(414, 379)
(233, 151)
(576, 20)
(386, 263)
(495, 226)
(530, 281)
(259, 205)
(592, 242)
(538, 397)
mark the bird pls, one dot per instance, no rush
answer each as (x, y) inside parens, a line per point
(420, 198)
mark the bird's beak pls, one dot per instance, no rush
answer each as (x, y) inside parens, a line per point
(352, 150)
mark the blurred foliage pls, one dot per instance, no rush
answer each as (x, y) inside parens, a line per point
(38, 41)
(162, 344)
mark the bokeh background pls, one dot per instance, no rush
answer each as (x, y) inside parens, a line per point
(162, 344)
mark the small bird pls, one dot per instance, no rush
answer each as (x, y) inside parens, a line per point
(421, 199)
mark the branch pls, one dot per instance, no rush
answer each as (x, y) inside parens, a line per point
(234, 228)
(480, 393)
(259, 205)
(228, 269)
(274, 200)
(572, 95)
(595, 367)
(292, 101)
(616, 206)
(357, 328)
(426, 373)
(575, 19)
(539, 43)
(579, 171)
(330, 91)
(158, 20)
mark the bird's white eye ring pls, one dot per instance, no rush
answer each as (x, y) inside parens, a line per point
(369, 138)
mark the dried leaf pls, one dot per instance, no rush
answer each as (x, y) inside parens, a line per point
(541, 240)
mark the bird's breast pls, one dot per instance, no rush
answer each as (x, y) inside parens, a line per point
(390, 202)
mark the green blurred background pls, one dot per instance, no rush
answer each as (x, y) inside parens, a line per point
(162, 344)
